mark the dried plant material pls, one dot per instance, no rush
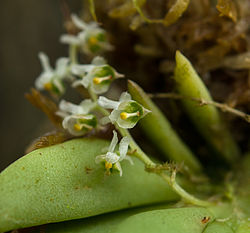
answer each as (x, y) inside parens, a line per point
(46, 105)
(202, 102)
(136, 22)
(227, 8)
(138, 4)
(124, 10)
(240, 61)
(174, 13)
(49, 139)
(147, 51)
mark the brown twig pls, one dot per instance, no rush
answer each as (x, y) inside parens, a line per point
(201, 102)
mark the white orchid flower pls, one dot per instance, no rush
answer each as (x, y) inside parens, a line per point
(98, 75)
(92, 39)
(77, 119)
(51, 79)
(126, 112)
(112, 159)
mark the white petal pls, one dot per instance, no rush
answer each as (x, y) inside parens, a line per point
(87, 80)
(118, 75)
(107, 103)
(99, 89)
(106, 46)
(44, 78)
(112, 157)
(59, 85)
(104, 120)
(77, 83)
(78, 22)
(68, 107)
(81, 69)
(45, 62)
(119, 168)
(125, 124)
(70, 39)
(129, 159)
(125, 96)
(145, 112)
(61, 66)
(87, 105)
(98, 61)
(68, 123)
(113, 142)
(62, 114)
(115, 115)
(100, 158)
(123, 147)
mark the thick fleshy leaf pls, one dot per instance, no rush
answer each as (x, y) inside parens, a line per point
(218, 227)
(205, 118)
(184, 220)
(158, 129)
(63, 182)
(104, 223)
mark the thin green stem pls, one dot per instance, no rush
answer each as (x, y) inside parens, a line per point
(73, 54)
(138, 152)
(178, 189)
(93, 95)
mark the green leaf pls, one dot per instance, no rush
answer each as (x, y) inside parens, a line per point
(218, 227)
(244, 227)
(159, 131)
(63, 182)
(182, 220)
(205, 118)
(104, 223)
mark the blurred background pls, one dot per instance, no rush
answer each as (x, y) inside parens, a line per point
(27, 27)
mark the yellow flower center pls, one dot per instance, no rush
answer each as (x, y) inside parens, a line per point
(98, 80)
(78, 127)
(125, 115)
(108, 165)
(48, 86)
(93, 40)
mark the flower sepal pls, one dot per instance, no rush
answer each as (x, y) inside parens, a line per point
(126, 112)
(97, 76)
(111, 160)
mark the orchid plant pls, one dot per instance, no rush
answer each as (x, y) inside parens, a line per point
(95, 114)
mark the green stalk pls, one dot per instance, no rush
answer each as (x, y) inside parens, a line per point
(206, 118)
(159, 131)
(73, 54)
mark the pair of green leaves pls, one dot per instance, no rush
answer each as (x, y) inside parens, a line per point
(63, 182)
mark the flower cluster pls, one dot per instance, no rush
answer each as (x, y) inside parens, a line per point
(91, 39)
(96, 77)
